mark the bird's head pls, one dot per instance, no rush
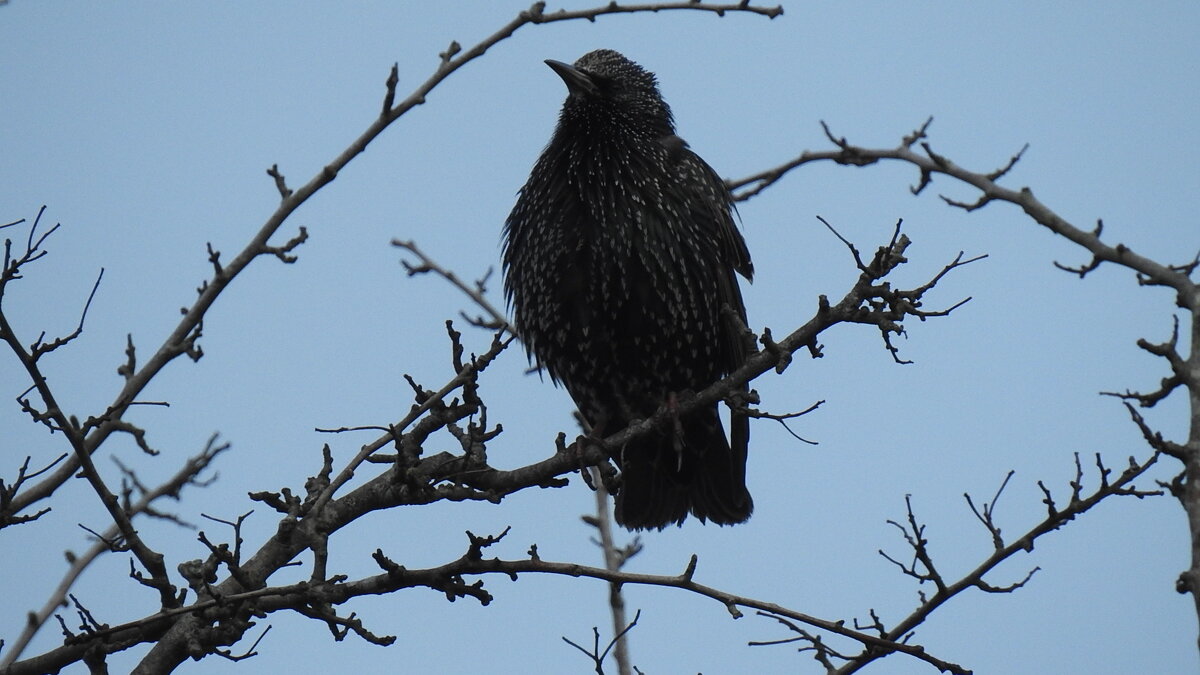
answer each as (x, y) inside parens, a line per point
(605, 83)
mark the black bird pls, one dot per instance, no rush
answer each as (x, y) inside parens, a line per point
(620, 258)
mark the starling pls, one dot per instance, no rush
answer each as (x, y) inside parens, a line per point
(620, 259)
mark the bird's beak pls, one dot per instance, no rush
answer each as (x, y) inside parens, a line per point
(577, 82)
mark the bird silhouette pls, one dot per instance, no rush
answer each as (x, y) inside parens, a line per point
(621, 258)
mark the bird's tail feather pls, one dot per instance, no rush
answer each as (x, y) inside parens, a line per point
(665, 477)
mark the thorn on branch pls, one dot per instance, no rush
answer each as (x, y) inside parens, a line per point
(534, 13)
(906, 143)
(782, 419)
(138, 433)
(988, 588)
(1186, 269)
(115, 545)
(926, 177)
(284, 253)
(1176, 485)
(194, 351)
(214, 257)
(274, 500)
(229, 655)
(940, 161)
(475, 552)
(390, 97)
(983, 201)
(999, 173)
(128, 368)
(917, 134)
(393, 569)
(37, 349)
(985, 515)
(315, 485)
(420, 394)
(1051, 507)
(1083, 270)
(450, 52)
(1077, 484)
(783, 357)
(690, 570)
(858, 261)
(456, 347)
(280, 181)
(849, 155)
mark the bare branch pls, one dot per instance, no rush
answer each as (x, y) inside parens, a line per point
(38, 348)
(496, 319)
(985, 515)
(1056, 518)
(8, 490)
(614, 559)
(188, 474)
(1148, 271)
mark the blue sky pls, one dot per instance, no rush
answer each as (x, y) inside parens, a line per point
(146, 129)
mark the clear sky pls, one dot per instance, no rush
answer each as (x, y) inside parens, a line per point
(146, 129)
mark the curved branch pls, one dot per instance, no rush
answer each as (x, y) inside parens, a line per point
(187, 475)
(182, 339)
(412, 479)
(931, 163)
(1178, 277)
(1056, 518)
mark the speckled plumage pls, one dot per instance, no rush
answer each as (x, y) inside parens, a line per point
(619, 256)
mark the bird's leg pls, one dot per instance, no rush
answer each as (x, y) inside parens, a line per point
(593, 434)
(584, 471)
(672, 407)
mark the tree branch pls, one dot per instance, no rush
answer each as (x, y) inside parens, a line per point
(189, 474)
